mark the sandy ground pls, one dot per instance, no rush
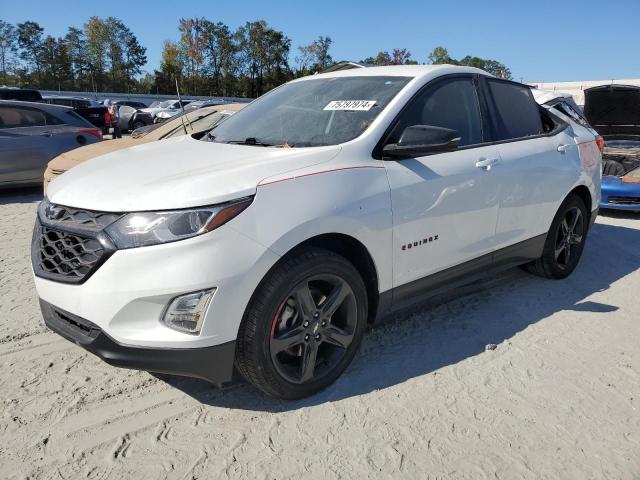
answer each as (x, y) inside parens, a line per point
(558, 398)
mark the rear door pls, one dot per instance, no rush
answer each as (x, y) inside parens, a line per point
(28, 140)
(445, 205)
(537, 169)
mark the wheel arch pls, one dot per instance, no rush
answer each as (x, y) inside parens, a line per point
(583, 192)
(354, 251)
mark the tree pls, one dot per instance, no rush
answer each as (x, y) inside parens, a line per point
(314, 57)
(498, 69)
(96, 34)
(30, 43)
(8, 48)
(220, 52)
(171, 68)
(440, 55)
(400, 56)
(76, 43)
(191, 47)
(263, 54)
(56, 64)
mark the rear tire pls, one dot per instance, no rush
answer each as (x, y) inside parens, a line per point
(565, 241)
(303, 325)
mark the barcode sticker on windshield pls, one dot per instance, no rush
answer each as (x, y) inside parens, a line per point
(355, 105)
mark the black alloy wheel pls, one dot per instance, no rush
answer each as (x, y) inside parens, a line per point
(313, 328)
(303, 325)
(569, 237)
(565, 241)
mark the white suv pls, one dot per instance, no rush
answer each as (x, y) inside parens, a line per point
(273, 241)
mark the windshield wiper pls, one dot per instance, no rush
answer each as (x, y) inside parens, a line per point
(250, 141)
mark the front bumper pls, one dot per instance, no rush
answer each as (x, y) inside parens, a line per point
(214, 364)
(619, 195)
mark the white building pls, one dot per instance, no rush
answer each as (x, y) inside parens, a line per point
(576, 89)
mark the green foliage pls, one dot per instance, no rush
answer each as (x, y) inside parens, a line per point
(206, 59)
(314, 57)
(440, 55)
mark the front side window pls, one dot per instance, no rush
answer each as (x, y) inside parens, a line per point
(514, 112)
(449, 104)
(311, 113)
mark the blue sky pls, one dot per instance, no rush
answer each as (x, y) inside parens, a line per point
(539, 41)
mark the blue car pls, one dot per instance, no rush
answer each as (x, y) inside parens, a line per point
(614, 111)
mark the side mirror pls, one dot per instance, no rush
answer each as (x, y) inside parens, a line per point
(421, 140)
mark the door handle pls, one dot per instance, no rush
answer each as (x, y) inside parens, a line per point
(46, 134)
(486, 163)
(563, 147)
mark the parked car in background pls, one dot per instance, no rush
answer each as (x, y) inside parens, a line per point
(172, 106)
(193, 123)
(91, 110)
(202, 103)
(21, 94)
(130, 103)
(614, 111)
(271, 243)
(128, 118)
(31, 134)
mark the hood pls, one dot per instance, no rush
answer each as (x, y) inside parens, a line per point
(613, 109)
(177, 173)
(70, 159)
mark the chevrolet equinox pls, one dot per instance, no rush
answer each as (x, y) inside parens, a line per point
(271, 242)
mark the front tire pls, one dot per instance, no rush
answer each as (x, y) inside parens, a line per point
(565, 241)
(303, 325)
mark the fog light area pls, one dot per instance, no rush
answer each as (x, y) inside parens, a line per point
(186, 312)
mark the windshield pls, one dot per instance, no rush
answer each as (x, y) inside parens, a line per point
(311, 113)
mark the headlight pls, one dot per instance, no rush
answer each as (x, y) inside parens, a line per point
(164, 115)
(151, 228)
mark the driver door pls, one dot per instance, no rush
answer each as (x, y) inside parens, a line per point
(445, 205)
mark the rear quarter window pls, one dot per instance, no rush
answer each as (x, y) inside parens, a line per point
(21, 117)
(514, 112)
(72, 118)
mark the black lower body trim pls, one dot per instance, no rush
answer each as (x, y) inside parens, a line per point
(214, 364)
(425, 288)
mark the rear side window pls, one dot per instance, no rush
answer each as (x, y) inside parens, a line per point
(19, 117)
(451, 103)
(571, 112)
(72, 118)
(514, 112)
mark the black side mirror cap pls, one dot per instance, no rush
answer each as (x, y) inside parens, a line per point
(421, 140)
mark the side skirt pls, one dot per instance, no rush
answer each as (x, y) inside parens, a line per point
(423, 289)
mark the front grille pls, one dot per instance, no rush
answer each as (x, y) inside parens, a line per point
(74, 218)
(69, 244)
(66, 256)
(624, 200)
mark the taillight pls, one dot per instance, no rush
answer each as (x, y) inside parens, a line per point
(92, 131)
(600, 143)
